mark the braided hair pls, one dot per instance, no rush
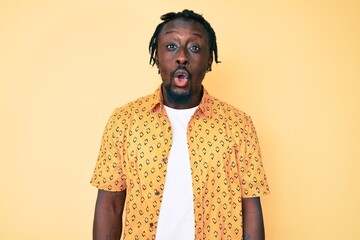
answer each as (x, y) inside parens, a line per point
(187, 14)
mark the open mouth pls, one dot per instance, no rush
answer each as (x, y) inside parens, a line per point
(181, 77)
(181, 74)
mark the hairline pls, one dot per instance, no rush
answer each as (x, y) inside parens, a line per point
(196, 33)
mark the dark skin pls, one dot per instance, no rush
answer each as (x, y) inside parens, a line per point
(108, 215)
(185, 44)
(252, 219)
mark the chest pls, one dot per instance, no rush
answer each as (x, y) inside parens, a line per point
(214, 146)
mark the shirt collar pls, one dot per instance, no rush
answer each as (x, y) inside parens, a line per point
(205, 106)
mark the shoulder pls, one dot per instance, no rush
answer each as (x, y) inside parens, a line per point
(123, 117)
(139, 105)
(232, 118)
(225, 110)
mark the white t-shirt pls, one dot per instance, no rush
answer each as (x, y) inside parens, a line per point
(176, 220)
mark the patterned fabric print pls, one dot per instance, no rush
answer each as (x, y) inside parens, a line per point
(225, 163)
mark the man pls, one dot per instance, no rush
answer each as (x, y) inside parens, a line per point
(179, 163)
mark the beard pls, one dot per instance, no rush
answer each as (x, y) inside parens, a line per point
(175, 96)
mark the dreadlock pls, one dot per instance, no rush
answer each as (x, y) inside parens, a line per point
(187, 14)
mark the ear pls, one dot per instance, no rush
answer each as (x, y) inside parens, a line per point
(156, 59)
(210, 61)
(157, 62)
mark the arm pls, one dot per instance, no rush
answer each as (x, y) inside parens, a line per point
(108, 215)
(252, 219)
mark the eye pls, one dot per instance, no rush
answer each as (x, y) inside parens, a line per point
(171, 46)
(194, 48)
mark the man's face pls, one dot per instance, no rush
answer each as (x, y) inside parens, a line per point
(183, 58)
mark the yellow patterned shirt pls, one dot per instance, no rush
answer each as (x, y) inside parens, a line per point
(225, 165)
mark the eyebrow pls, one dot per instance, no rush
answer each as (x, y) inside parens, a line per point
(193, 33)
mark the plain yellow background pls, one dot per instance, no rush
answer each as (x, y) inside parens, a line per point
(294, 66)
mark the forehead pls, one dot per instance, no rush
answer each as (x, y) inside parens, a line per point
(181, 24)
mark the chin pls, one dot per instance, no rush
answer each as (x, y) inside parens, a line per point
(178, 96)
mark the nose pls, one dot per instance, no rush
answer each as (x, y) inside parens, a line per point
(182, 58)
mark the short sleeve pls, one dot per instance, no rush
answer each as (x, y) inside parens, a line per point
(109, 173)
(253, 178)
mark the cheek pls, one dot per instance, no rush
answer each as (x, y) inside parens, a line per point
(165, 74)
(165, 63)
(164, 69)
(201, 62)
(201, 68)
(164, 56)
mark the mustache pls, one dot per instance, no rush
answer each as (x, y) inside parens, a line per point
(172, 74)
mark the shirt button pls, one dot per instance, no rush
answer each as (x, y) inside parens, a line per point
(169, 129)
(151, 225)
(157, 192)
